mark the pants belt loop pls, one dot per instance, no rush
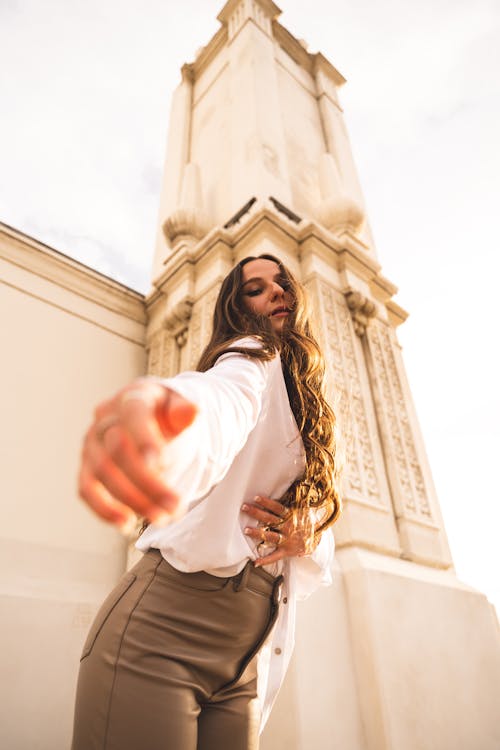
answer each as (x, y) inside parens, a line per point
(240, 580)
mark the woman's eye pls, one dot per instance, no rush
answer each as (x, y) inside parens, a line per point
(253, 292)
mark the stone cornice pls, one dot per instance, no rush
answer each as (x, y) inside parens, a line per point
(351, 253)
(322, 64)
(54, 266)
(293, 47)
(209, 52)
(346, 251)
(397, 314)
(188, 254)
(383, 290)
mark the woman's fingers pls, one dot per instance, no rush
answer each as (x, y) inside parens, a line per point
(266, 510)
(278, 529)
(121, 459)
(101, 502)
(268, 536)
(261, 515)
(274, 506)
(139, 490)
(274, 557)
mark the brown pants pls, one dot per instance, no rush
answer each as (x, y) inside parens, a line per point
(169, 662)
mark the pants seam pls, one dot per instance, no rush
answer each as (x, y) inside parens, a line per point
(118, 653)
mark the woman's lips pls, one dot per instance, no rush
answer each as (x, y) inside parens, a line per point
(280, 312)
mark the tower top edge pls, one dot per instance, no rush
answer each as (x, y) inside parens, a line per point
(269, 8)
(313, 62)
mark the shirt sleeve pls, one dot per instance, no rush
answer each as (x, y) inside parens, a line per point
(313, 571)
(229, 399)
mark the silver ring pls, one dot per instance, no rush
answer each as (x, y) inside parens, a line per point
(104, 424)
(136, 394)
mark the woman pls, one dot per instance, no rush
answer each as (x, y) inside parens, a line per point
(203, 624)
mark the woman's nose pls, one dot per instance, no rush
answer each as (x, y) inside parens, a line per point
(277, 291)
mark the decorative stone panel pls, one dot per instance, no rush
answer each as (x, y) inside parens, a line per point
(405, 473)
(341, 346)
(165, 343)
(162, 354)
(200, 327)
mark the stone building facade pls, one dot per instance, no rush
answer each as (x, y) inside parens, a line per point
(398, 654)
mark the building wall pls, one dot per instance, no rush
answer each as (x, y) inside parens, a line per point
(69, 338)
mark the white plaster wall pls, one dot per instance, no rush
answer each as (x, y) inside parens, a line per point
(61, 354)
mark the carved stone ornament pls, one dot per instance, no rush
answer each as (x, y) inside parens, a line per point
(178, 317)
(338, 211)
(362, 310)
(185, 223)
(189, 219)
(200, 327)
(339, 343)
(399, 441)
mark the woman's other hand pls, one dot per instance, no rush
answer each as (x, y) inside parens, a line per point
(277, 529)
(120, 472)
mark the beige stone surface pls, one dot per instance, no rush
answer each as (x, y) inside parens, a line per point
(376, 656)
(70, 337)
(398, 654)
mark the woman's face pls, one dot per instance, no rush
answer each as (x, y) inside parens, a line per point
(264, 291)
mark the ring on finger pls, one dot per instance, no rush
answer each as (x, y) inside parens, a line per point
(137, 394)
(280, 520)
(104, 424)
(281, 538)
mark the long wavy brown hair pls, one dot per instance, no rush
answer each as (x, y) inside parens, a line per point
(313, 498)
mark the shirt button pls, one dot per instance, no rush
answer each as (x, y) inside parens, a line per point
(285, 600)
(277, 651)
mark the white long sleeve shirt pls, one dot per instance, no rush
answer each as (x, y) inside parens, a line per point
(244, 442)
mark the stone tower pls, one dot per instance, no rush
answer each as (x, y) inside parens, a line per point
(398, 654)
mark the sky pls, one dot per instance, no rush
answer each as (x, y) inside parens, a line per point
(85, 89)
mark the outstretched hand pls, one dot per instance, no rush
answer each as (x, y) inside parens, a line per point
(120, 472)
(278, 529)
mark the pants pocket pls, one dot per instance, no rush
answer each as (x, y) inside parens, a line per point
(105, 610)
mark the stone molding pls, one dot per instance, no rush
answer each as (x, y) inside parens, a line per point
(50, 264)
(345, 252)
